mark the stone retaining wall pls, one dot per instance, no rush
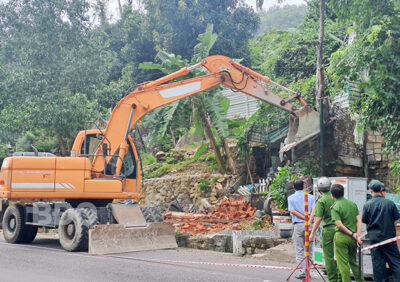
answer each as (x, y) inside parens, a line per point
(160, 192)
(253, 242)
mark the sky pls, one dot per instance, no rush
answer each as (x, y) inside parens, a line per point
(269, 3)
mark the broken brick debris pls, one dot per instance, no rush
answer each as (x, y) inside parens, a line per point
(228, 214)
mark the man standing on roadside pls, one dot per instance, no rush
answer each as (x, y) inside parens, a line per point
(296, 209)
(381, 217)
(323, 214)
(348, 232)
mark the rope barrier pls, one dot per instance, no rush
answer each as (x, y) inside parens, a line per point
(205, 263)
(391, 240)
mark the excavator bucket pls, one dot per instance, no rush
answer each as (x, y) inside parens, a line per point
(132, 233)
(302, 127)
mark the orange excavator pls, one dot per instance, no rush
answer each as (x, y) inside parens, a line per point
(75, 194)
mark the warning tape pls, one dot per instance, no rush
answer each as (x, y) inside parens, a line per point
(381, 244)
(208, 263)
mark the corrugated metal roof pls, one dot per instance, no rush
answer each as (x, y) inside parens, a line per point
(275, 135)
(241, 105)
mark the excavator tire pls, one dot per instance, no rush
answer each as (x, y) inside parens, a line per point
(14, 224)
(73, 230)
(30, 232)
(151, 214)
(91, 216)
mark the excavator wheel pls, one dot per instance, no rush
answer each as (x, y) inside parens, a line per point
(91, 216)
(14, 224)
(151, 214)
(30, 232)
(73, 230)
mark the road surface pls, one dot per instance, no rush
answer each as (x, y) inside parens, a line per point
(44, 260)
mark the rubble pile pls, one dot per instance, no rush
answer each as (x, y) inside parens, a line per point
(229, 213)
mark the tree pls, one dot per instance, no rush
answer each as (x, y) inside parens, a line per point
(177, 23)
(207, 106)
(371, 61)
(289, 57)
(51, 62)
(288, 17)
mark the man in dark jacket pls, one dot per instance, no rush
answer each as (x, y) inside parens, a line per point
(381, 217)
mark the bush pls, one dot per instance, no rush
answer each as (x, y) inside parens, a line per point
(157, 172)
(204, 185)
(258, 224)
(278, 186)
(170, 158)
(309, 167)
(212, 161)
(148, 159)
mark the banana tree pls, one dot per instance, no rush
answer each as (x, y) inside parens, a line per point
(205, 107)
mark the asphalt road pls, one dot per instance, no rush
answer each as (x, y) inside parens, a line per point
(44, 260)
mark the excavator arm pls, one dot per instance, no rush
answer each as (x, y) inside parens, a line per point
(222, 71)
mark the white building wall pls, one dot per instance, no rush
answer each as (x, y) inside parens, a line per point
(241, 105)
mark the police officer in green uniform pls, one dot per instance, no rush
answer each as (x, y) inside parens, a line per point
(381, 217)
(347, 236)
(323, 214)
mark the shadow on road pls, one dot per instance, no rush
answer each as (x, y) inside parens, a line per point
(47, 242)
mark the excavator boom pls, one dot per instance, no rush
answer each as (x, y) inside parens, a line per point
(222, 70)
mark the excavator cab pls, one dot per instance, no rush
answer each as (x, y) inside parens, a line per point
(87, 143)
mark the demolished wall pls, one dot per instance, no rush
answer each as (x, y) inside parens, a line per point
(359, 153)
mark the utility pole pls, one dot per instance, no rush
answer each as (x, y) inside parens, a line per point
(320, 81)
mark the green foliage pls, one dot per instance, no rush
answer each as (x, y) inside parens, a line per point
(200, 151)
(170, 158)
(257, 224)
(71, 70)
(177, 24)
(395, 172)
(198, 123)
(309, 167)
(3, 152)
(164, 143)
(39, 139)
(158, 172)
(173, 116)
(211, 159)
(148, 159)
(278, 186)
(52, 58)
(207, 106)
(239, 129)
(205, 42)
(364, 13)
(204, 185)
(372, 63)
(288, 57)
